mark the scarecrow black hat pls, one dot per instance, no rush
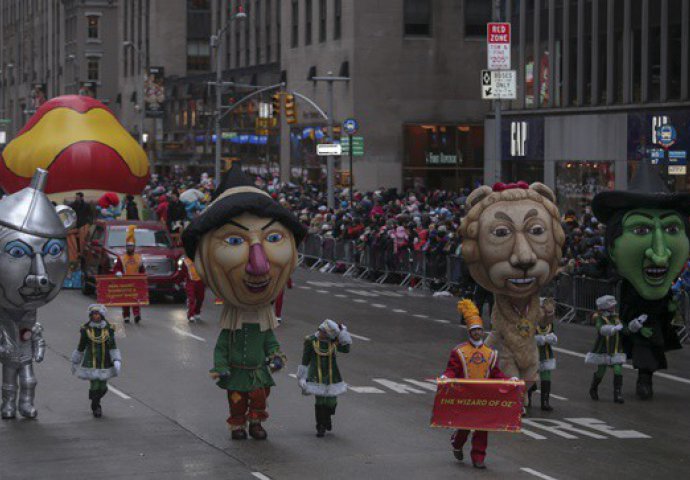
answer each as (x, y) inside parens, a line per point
(236, 195)
(647, 190)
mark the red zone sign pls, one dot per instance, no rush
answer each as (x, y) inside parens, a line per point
(468, 404)
(498, 46)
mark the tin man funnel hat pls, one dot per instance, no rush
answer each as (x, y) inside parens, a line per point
(30, 211)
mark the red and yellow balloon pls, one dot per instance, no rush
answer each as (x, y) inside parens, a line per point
(83, 146)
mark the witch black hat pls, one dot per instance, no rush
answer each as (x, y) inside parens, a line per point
(647, 190)
(235, 195)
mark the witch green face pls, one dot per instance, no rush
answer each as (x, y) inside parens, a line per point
(651, 251)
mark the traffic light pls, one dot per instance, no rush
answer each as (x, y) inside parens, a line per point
(290, 109)
(277, 100)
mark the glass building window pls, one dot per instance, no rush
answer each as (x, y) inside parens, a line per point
(294, 33)
(93, 69)
(308, 14)
(93, 22)
(477, 15)
(337, 19)
(322, 20)
(417, 17)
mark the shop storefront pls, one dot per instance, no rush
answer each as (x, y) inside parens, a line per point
(448, 156)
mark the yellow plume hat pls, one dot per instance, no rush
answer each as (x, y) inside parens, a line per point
(129, 240)
(470, 313)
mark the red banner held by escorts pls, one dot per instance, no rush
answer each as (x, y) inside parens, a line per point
(122, 291)
(491, 405)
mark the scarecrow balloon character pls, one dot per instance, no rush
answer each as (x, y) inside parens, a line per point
(244, 247)
(647, 240)
(33, 262)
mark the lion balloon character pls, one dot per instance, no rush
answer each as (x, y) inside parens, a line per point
(512, 244)
(244, 246)
(33, 261)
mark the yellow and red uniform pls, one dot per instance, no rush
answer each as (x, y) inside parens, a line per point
(194, 287)
(130, 265)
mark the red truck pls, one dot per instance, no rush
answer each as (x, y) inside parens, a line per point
(162, 259)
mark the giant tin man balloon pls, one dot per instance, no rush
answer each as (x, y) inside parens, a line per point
(33, 262)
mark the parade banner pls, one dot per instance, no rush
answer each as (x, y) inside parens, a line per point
(154, 92)
(122, 291)
(491, 405)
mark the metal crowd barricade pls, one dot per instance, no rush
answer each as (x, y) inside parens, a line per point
(683, 329)
(578, 295)
(328, 254)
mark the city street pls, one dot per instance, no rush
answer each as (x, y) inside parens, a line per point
(165, 418)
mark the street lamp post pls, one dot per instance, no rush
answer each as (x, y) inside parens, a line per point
(218, 44)
(75, 70)
(330, 160)
(140, 87)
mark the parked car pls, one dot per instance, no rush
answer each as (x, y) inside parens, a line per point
(162, 259)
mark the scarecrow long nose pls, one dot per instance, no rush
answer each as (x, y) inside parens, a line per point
(258, 263)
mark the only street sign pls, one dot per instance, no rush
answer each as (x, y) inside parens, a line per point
(499, 84)
(329, 149)
(350, 126)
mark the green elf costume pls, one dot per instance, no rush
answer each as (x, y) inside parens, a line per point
(319, 374)
(97, 357)
(608, 348)
(546, 338)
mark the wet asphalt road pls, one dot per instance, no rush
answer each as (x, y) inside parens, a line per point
(166, 418)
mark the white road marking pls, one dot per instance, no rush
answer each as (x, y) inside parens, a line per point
(388, 294)
(187, 334)
(399, 310)
(557, 397)
(304, 287)
(560, 428)
(322, 291)
(600, 426)
(340, 295)
(359, 300)
(396, 387)
(420, 315)
(366, 339)
(537, 474)
(118, 392)
(292, 375)
(363, 293)
(667, 376)
(438, 320)
(261, 476)
(428, 385)
(365, 389)
(531, 434)
(378, 305)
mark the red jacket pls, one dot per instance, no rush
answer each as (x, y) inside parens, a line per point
(455, 368)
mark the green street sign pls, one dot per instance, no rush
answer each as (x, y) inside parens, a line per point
(5, 121)
(357, 146)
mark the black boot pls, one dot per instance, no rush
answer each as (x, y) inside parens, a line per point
(95, 397)
(618, 388)
(531, 390)
(319, 411)
(644, 385)
(594, 387)
(328, 417)
(545, 392)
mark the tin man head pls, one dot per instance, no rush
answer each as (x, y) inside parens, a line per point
(33, 247)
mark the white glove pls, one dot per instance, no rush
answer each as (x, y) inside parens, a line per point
(551, 339)
(118, 366)
(618, 327)
(344, 337)
(635, 325)
(118, 274)
(608, 330)
(541, 340)
(514, 379)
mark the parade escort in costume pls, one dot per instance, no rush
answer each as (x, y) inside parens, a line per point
(546, 338)
(512, 244)
(34, 263)
(130, 263)
(194, 288)
(244, 247)
(608, 348)
(319, 375)
(97, 357)
(647, 239)
(472, 359)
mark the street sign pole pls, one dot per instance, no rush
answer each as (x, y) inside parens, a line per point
(351, 175)
(497, 113)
